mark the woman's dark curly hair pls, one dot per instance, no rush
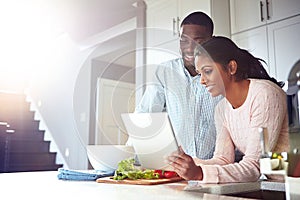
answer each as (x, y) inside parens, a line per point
(222, 50)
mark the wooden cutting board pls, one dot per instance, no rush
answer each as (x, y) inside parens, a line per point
(139, 181)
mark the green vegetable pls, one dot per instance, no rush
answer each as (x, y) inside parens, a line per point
(126, 169)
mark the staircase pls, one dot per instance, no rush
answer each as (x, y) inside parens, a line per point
(22, 145)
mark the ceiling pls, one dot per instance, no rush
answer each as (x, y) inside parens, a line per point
(84, 19)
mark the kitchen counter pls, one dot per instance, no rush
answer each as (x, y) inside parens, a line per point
(45, 185)
(233, 188)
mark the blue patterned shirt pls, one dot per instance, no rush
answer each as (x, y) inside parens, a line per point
(189, 106)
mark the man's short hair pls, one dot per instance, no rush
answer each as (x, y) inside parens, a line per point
(199, 18)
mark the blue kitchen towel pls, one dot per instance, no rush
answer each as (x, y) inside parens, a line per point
(82, 175)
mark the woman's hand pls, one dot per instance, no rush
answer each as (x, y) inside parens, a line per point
(185, 166)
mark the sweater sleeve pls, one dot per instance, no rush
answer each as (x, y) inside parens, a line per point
(221, 168)
(247, 170)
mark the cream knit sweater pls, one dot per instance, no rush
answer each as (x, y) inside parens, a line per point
(265, 106)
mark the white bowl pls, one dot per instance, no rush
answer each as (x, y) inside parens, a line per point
(107, 157)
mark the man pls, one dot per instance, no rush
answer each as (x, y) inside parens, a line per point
(177, 90)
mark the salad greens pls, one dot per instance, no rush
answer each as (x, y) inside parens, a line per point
(127, 170)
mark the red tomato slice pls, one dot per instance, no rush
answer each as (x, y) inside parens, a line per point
(159, 172)
(170, 174)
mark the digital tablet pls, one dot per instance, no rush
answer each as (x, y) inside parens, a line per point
(152, 137)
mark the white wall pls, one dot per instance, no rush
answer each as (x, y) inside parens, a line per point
(39, 56)
(52, 92)
(64, 94)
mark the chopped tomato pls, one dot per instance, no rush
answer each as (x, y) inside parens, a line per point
(159, 172)
(170, 174)
(165, 174)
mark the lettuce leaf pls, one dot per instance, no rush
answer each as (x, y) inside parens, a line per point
(127, 170)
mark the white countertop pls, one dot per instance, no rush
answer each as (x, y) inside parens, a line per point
(45, 185)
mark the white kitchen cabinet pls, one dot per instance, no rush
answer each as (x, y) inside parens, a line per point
(284, 40)
(276, 43)
(165, 16)
(280, 9)
(163, 26)
(161, 21)
(247, 14)
(254, 41)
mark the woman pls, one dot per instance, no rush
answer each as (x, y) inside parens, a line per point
(252, 99)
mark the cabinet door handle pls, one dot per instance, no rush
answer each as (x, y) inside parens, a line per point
(261, 11)
(174, 26)
(268, 13)
(178, 26)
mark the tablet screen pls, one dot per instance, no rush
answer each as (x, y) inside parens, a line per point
(152, 137)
